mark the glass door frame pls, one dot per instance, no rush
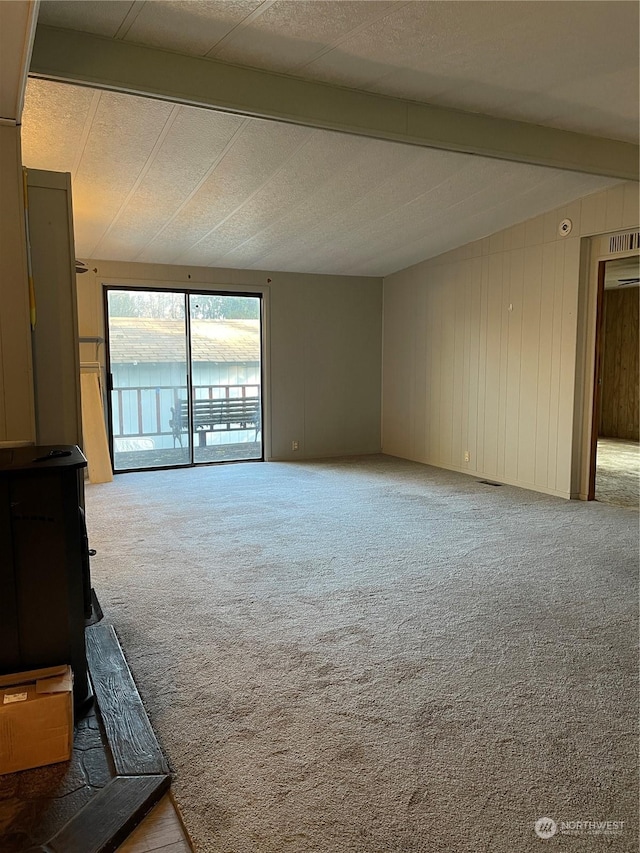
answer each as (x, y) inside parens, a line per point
(186, 293)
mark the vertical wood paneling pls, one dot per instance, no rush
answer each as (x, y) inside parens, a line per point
(426, 388)
(630, 206)
(492, 376)
(434, 328)
(418, 439)
(594, 214)
(556, 351)
(567, 362)
(534, 231)
(573, 211)
(496, 243)
(466, 355)
(482, 361)
(517, 236)
(474, 362)
(504, 362)
(396, 367)
(615, 208)
(620, 403)
(550, 231)
(498, 382)
(56, 357)
(16, 374)
(447, 309)
(457, 450)
(544, 364)
(527, 415)
(514, 345)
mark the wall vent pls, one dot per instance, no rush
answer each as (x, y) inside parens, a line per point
(624, 242)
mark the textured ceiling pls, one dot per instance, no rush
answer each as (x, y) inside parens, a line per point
(163, 183)
(156, 182)
(571, 65)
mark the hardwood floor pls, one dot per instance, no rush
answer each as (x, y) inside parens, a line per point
(618, 472)
(161, 830)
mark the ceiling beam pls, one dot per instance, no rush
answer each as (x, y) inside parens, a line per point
(17, 29)
(81, 58)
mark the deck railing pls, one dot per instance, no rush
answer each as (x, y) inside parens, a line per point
(145, 410)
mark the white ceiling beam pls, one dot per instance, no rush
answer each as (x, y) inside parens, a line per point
(17, 29)
(81, 58)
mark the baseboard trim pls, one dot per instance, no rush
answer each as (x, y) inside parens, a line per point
(487, 475)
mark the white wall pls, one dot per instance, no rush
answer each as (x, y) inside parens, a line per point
(480, 348)
(323, 357)
(56, 369)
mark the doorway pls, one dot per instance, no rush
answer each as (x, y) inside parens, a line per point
(185, 377)
(615, 466)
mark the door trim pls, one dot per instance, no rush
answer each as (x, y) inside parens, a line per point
(187, 292)
(597, 381)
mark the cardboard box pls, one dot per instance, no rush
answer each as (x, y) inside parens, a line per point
(36, 718)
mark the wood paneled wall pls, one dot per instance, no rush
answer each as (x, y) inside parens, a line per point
(619, 414)
(16, 375)
(323, 353)
(480, 349)
(56, 361)
(490, 340)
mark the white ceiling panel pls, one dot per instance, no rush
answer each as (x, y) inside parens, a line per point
(58, 116)
(288, 34)
(194, 27)
(170, 181)
(104, 18)
(428, 233)
(258, 152)
(438, 239)
(575, 63)
(105, 140)
(570, 63)
(162, 183)
(356, 180)
(310, 166)
(121, 141)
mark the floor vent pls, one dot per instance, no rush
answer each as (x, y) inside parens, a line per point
(624, 242)
(489, 483)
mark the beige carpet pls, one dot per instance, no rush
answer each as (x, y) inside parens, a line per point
(374, 656)
(618, 472)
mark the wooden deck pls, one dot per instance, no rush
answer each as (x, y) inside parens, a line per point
(173, 457)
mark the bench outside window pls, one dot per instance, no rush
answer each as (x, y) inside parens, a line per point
(225, 415)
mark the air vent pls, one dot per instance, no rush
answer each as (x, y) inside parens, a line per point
(624, 242)
(489, 483)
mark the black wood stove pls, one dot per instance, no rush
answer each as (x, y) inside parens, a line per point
(45, 585)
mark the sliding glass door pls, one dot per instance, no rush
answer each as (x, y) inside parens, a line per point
(185, 377)
(148, 363)
(226, 391)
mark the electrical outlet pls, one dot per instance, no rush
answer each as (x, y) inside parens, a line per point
(467, 456)
(295, 445)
